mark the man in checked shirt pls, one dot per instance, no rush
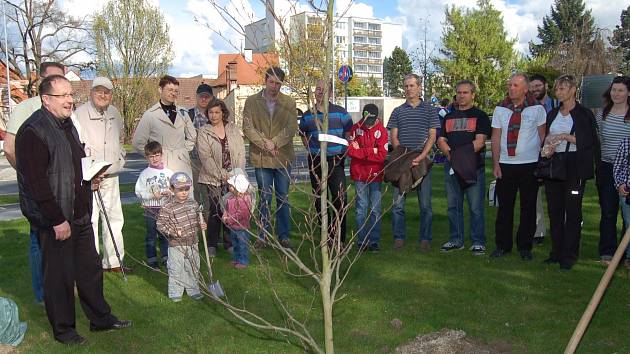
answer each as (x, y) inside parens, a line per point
(621, 174)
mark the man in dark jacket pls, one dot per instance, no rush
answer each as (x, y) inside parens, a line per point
(57, 202)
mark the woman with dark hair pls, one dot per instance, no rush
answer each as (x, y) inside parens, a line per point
(221, 151)
(614, 125)
(570, 130)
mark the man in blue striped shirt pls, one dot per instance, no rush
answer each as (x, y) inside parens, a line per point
(339, 125)
(413, 125)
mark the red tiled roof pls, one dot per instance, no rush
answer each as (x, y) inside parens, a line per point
(246, 73)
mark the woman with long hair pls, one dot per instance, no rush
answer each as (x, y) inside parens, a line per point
(221, 151)
(614, 125)
(570, 130)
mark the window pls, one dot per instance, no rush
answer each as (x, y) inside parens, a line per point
(360, 53)
(375, 68)
(374, 26)
(360, 67)
(361, 25)
(360, 39)
(375, 40)
(375, 55)
(340, 25)
(340, 39)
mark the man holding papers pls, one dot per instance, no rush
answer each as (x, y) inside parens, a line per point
(339, 125)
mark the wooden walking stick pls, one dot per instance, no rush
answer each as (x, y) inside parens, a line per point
(597, 296)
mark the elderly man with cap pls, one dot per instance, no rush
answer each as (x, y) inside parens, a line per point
(199, 117)
(102, 130)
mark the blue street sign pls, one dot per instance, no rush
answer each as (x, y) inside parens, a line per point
(345, 73)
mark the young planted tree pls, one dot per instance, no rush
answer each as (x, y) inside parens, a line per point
(476, 48)
(40, 31)
(133, 47)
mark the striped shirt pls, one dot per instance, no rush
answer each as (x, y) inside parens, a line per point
(413, 124)
(611, 132)
(339, 124)
(179, 221)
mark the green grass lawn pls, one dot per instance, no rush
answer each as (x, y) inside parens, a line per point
(528, 305)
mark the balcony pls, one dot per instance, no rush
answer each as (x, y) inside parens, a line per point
(367, 33)
(366, 46)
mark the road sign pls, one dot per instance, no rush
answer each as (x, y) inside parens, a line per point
(345, 73)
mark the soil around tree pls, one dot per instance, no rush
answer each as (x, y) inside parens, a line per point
(448, 341)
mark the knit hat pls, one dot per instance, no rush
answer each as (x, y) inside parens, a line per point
(239, 182)
(180, 180)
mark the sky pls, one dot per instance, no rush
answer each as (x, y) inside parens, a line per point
(199, 32)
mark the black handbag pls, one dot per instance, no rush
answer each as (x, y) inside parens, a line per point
(554, 167)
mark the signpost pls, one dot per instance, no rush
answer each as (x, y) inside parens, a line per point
(345, 75)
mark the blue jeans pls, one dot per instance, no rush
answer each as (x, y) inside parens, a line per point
(426, 213)
(278, 179)
(35, 260)
(150, 239)
(240, 242)
(368, 212)
(455, 207)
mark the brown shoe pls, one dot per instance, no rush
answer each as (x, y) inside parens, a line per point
(118, 270)
(425, 246)
(398, 244)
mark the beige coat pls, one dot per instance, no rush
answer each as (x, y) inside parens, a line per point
(176, 139)
(211, 156)
(102, 134)
(280, 128)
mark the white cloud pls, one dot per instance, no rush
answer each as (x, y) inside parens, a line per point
(353, 8)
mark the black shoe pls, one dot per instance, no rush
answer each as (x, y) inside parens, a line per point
(551, 261)
(374, 248)
(498, 253)
(118, 324)
(76, 340)
(526, 255)
(539, 240)
(565, 266)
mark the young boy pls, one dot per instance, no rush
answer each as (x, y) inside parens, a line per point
(237, 208)
(152, 188)
(179, 221)
(368, 150)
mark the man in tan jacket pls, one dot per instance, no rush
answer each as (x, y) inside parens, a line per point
(103, 131)
(170, 126)
(270, 123)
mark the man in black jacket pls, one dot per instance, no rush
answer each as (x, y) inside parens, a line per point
(57, 202)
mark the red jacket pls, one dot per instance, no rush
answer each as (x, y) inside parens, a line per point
(367, 166)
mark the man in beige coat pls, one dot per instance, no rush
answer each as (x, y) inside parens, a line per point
(170, 126)
(270, 123)
(102, 130)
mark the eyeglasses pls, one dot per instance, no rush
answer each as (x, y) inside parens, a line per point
(175, 91)
(64, 95)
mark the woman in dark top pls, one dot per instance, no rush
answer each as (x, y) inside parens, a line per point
(221, 150)
(573, 125)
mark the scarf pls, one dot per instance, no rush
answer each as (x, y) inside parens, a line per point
(170, 111)
(514, 124)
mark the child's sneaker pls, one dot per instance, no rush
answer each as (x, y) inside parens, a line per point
(478, 250)
(197, 296)
(176, 299)
(240, 265)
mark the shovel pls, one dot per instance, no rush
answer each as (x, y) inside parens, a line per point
(213, 287)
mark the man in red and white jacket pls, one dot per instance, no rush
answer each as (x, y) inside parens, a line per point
(368, 149)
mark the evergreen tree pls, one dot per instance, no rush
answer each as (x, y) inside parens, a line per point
(621, 41)
(568, 19)
(476, 48)
(394, 70)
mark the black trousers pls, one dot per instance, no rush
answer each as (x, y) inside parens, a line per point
(609, 205)
(70, 262)
(336, 188)
(564, 206)
(216, 228)
(516, 178)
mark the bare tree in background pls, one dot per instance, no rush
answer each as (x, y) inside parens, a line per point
(40, 31)
(133, 48)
